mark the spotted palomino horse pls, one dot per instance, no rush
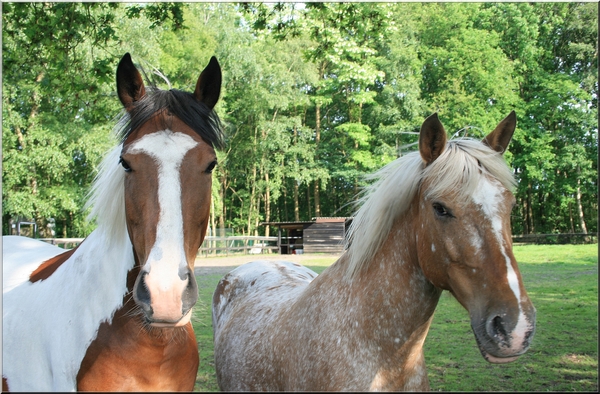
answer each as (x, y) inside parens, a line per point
(114, 313)
(437, 219)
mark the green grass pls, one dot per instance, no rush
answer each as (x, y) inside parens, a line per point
(562, 282)
(202, 322)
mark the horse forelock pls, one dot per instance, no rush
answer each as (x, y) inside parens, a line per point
(455, 173)
(204, 121)
(458, 170)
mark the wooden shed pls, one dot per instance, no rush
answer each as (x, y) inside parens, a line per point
(321, 235)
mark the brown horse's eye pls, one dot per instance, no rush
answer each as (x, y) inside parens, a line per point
(211, 167)
(441, 210)
(124, 164)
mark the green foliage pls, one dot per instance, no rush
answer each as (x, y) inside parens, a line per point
(159, 13)
(466, 76)
(315, 96)
(49, 142)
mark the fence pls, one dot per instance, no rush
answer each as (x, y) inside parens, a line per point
(211, 245)
(234, 244)
(63, 242)
(555, 239)
(256, 245)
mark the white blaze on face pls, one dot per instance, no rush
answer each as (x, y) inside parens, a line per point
(488, 196)
(167, 256)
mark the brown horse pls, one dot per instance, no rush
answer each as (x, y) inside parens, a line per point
(114, 313)
(437, 219)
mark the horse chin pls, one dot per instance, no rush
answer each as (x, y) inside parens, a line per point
(180, 323)
(497, 360)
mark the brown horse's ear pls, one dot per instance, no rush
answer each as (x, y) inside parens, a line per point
(208, 87)
(499, 138)
(432, 139)
(130, 86)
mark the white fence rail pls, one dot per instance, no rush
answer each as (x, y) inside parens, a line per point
(65, 243)
(256, 245)
(211, 245)
(235, 244)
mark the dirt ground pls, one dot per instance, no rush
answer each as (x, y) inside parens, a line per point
(222, 265)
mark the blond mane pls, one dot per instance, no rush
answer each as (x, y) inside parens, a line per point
(455, 172)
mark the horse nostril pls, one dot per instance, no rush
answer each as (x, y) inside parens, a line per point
(141, 295)
(190, 294)
(496, 330)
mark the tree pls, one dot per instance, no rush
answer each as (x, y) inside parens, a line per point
(466, 75)
(315, 96)
(553, 47)
(58, 68)
(46, 165)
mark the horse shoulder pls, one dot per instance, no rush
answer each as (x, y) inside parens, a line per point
(62, 321)
(22, 302)
(247, 308)
(258, 284)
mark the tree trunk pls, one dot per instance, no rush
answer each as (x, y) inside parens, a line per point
(296, 207)
(223, 193)
(524, 210)
(317, 141)
(360, 106)
(571, 222)
(20, 137)
(309, 210)
(212, 231)
(252, 203)
(579, 205)
(267, 203)
(285, 206)
(35, 98)
(530, 210)
(256, 218)
(34, 184)
(317, 200)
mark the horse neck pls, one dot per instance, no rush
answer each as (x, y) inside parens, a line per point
(392, 293)
(103, 262)
(104, 244)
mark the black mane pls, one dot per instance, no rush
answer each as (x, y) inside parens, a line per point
(183, 105)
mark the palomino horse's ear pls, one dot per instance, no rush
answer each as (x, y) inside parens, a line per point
(208, 87)
(499, 138)
(432, 139)
(130, 86)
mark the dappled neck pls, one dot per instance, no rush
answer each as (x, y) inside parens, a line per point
(392, 288)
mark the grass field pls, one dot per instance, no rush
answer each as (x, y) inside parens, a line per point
(562, 282)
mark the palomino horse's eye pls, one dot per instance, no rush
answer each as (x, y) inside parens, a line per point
(124, 164)
(441, 210)
(211, 167)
